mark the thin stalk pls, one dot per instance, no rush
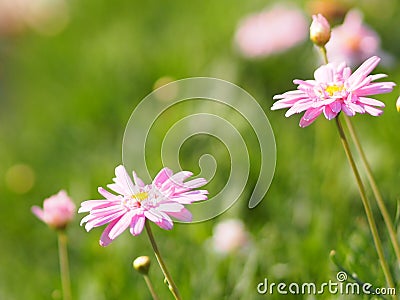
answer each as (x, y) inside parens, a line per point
(171, 284)
(150, 287)
(367, 207)
(64, 266)
(324, 55)
(375, 189)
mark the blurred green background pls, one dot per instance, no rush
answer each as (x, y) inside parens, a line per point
(65, 98)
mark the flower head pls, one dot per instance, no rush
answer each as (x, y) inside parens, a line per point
(229, 236)
(398, 104)
(57, 212)
(135, 202)
(271, 31)
(320, 30)
(142, 264)
(335, 89)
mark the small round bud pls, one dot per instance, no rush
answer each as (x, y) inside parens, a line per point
(398, 104)
(142, 264)
(320, 30)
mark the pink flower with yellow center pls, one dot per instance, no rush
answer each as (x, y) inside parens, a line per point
(335, 89)
(135, 202)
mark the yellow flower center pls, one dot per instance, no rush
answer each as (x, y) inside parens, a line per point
(140, 196)
(333, 89)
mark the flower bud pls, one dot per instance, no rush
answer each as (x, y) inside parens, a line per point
(320, 30)
(398, 104)
(57, 212)
(142, 264)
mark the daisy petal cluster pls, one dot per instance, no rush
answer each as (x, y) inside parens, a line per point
(134, 202)
(334, 89)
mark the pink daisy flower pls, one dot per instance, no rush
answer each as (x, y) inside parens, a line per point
(135, 202)
(335, 89)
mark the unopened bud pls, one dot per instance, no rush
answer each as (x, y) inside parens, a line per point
(142, 264)
(320, 30)
(398, 104)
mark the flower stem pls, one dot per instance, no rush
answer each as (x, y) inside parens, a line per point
(324, 55)
(367, 207)
(375, 190)
(150, 287)
(64, 266)
(171, 284)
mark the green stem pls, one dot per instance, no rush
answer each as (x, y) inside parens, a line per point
(150, 287)
(64, 266)
(367, 207)
(171, 284)
(375, 190)
(324, 55)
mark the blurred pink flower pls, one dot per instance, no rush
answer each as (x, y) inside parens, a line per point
(335, 89)
(229, 236)
(163, 198)
(353, 41)
(271, 31)
(57, 212)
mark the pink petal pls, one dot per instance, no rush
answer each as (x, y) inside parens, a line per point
(162, 176)
(347, 110)
(117, 188)
(153, 215)
(375, 88)
(371, 101)
(356, 107)
(122, 224)
(137, 224)
(105, 240)
(325, 73)
(373, 111)
(182, 215)
(311, 114)
(137, 180)
(124, 181)
(170, 207)
(166, 224)
(91, 204)
(336, 106)
(190, 197)
(299, 106)
(329, 114)
(308, 83)
(181, 176)
(195, 183)
(38, 212)
(363, 71)
(96, 221)
(106, 194)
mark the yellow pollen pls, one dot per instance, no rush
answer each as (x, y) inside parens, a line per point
(333, 89)
(140, 196)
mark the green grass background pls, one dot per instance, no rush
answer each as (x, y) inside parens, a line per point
(64, 104)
